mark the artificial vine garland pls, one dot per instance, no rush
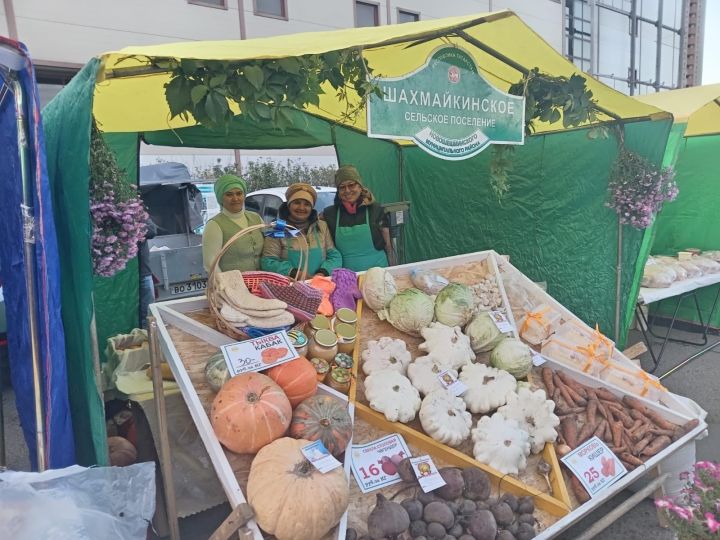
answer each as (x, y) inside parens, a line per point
(264, 90)
(117, 214)
(547, 99)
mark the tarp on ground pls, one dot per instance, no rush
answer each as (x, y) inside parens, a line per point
(692, 220)
(553, 222)
(59, 446)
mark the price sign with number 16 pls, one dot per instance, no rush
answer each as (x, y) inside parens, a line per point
(374, 464)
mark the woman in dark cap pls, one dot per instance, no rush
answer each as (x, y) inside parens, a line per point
(358, 224)
(245, 252)
(282, 255)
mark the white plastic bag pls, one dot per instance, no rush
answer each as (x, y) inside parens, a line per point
(78, 503)
(658, 276)
(427, 281)
(125, 353)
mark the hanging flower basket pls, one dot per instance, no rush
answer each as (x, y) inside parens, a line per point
(638, 189)
(117, 213)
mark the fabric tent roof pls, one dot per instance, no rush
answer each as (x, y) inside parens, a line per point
(130, 98)
(698, 106)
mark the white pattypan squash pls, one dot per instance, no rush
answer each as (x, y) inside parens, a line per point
(391, 393)
(535, 414)
(447, 342)
(423, 373)
(501, 443)
(487, 388)
(443, 416)
(386, 353)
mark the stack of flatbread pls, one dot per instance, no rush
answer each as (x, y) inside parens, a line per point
(242, 308)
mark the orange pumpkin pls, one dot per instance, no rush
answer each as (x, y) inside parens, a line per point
(250, 411)
(297, 378)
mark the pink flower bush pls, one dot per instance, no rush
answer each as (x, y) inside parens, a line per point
(696, 512)
(638, 189)
(117, 214)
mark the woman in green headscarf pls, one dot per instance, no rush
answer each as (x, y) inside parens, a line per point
(245, 252)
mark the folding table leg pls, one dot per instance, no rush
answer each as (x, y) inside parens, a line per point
(642, 323)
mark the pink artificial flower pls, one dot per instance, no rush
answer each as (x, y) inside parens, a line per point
(664, 503)
(682, 513)
(712, 524)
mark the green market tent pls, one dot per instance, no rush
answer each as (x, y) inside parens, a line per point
(553, 222)
(693, 149)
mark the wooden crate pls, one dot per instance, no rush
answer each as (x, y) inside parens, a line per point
(468, 269)
(187, 338)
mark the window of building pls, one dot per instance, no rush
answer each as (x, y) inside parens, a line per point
(405, 16)
(222, 4)
(366, 14)
(271, 8)
(577, 33)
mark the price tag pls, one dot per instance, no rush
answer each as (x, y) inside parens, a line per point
(501, 321)
(399, 217)
(538, 359)
(451, 383)
(320, 457)
(259, 353)
(374, 464)
(427, 473)
(595, 465)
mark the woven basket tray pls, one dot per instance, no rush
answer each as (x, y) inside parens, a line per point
(252, 280)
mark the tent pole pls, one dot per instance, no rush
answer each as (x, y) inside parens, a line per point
(28, 217)
(618, 280)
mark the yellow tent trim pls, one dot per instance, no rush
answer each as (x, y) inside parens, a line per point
(698, 106)
(129, 98)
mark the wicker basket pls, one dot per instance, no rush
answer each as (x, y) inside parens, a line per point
(252, 280)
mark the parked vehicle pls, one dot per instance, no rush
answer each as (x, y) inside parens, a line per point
(178, 208)
(266, 202)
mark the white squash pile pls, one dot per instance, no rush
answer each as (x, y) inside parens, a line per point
(515, 420)
(241, 308)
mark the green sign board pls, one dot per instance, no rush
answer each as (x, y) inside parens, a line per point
(447, 108)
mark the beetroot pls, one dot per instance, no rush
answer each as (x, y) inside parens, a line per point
(454, 483)
(477, 484)
(481, 525)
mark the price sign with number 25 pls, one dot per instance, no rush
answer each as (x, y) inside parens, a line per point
(595, 465)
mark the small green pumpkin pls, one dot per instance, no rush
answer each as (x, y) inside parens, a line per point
(325, 418)
(216, 371)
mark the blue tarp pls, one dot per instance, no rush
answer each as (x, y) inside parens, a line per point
(60, 449)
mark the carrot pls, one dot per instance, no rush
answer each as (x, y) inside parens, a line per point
(652, 415)
(576, 396)
(580, 494)
(572, 383)
(640, 447)
(636, 425)
(642, 432)
(637, 415)
(592, 411)
(568, 428)
(603, 410)
(586, 432)
(562, 411)
(608, 436)
(557, 397)
(600, 430)
(628, 458)
(566, 395)
(547, 377)
(656, 446)
(658, 432)
(621, 415)
(617, 428)
(604, 393)
(686, 428)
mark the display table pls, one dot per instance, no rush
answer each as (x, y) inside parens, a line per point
(680, 291)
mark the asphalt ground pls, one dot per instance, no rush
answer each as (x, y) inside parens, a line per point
(698, 381)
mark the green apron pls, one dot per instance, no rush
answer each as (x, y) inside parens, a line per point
(244, 254)
(356, 246)
(315, 256)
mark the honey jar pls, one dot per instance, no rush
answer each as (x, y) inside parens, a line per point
(322, 368)
(321, 322)
(345, 316)
(323, 345)
(344, 361)
(339, 379)
(345, 337)
(299, 340)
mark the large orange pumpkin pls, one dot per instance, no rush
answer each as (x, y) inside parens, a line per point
(250, 411)
(297, 378)
(324, 418)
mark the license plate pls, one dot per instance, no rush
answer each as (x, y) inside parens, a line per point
(188, 287)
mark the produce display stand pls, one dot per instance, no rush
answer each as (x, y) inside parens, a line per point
(679, 291)
(186, 338)
(561, 509)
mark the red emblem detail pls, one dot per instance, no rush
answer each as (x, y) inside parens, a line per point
(453, 74)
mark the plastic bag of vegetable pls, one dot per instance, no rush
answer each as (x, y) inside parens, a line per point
(428, 281)
(409, 311)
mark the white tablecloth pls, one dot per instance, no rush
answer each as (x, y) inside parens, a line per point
(648, 295)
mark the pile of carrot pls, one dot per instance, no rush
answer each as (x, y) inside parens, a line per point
(630, 429)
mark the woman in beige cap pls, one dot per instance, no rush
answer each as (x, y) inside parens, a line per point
(358, 224)
(282, 255)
